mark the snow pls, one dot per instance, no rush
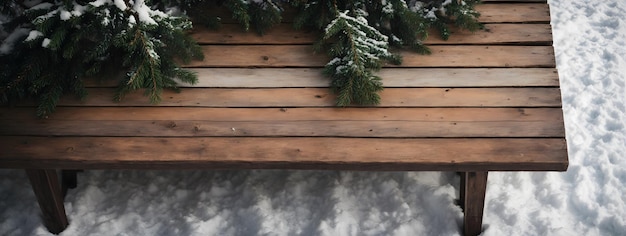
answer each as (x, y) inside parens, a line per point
(45, 42)
(34, 34)
(588, 199)
(144, 12)
(120, 4)
(77, 11)
(98, 3)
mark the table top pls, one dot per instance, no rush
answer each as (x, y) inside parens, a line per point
(481, 101)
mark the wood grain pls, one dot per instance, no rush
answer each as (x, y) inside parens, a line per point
(514, 12)
(442, 56)
(473, 188)
(300, 128)
(391, 78)
(484, 101)
(494, 11)
(25, 114)
(285, 34)
(319, 97)
(47, 189)
(296, 153)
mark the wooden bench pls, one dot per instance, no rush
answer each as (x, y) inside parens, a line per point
(488, 101)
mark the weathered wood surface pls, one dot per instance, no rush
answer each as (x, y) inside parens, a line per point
(508, 11)
(285, 34)
(482, 101)
(442, 56)
(454, 154)
(393, 78)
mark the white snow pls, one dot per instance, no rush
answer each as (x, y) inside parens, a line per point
(33, 34)
(144, 12)
(65, 15)
(45, 42)
(98, 3)
(588, 199)
(120, 4)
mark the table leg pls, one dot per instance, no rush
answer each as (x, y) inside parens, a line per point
(47, 189)
(461, 200)
(69, 180)
(473, 189)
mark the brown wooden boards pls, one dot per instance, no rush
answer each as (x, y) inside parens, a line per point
(323, 97)
(393, 78)
(297, 153)
(285, 34)
(514, 12)
(482, 101)
(442, 56)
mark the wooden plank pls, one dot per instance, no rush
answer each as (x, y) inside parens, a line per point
(392, 78)
(260, 56)
(482, 56)
(442, 56)
(301, 128)
(285, 34)
(529, 11)
(319, 97)
(233, 34)
(514, 12)
(285, 153)
(534, 34)
(25, 114)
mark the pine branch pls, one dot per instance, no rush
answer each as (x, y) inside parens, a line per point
(361, 49)
(47, 50)
(55, 46)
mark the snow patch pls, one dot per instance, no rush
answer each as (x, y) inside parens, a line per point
(32, 35)
(65, 15)
(45, 43)
(143, 11)
(120, 4)
(99, 3)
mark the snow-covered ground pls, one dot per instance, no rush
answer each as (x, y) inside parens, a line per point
(588, 199)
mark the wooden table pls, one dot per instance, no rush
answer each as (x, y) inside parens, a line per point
(488, 101)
